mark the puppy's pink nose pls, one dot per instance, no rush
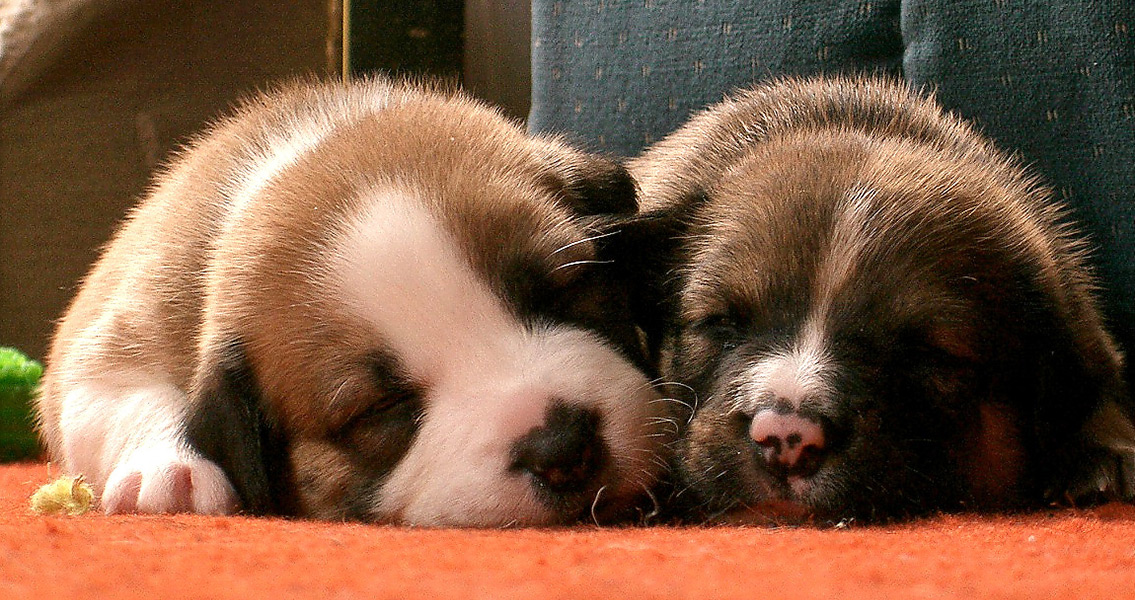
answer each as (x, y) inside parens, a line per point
(789, 441)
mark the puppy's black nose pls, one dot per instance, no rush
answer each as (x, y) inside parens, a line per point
(789, 442)
(564, 454)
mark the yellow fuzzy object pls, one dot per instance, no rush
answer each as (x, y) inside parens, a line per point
(68, 495)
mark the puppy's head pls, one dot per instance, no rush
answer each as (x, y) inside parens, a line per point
(872, 329)
(425, 325)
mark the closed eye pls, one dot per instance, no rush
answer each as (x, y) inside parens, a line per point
(382, 431)
(724, 329)
(386, 403)
(715, 325)
(390, 390)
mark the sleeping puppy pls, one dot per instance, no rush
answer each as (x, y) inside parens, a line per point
(874, 314)
(371, 301)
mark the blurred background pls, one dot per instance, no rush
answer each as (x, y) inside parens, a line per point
(96, 94)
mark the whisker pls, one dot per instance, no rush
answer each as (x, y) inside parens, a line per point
(594, 503)
(671, 425)
(677, 383)
(339, 390)
(919, 473)
(688, 406)
(584, 241)
(716, 515)
(657, 507)
(649, 384)
(683, 404)
(582, 262)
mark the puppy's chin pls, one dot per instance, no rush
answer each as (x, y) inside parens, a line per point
(516, 505)
(482, 485)
(794, 501)
(752, 495)
(767, 513)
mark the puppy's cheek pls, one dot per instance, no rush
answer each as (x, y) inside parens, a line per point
(694, 361)
(717, 460)
(324, 478)
(697, 353)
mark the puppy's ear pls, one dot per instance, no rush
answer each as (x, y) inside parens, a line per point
(645, 250)
(592, 185)
(228, 425)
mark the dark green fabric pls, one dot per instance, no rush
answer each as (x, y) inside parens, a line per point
(1052, 81)
(622, 74)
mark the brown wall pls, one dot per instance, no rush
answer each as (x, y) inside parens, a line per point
(107, 104)
(116, 86)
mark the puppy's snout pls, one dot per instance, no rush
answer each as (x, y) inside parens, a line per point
(565, 454)
(789, 441)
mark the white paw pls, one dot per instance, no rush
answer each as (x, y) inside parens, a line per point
(181, 484)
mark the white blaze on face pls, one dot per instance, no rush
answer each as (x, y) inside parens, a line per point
(791, 376)
(488, 378)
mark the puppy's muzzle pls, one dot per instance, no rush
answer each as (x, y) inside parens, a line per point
(565, 456)
(791, 444)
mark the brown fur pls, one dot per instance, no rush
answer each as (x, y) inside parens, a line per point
(930, 261)
(192, 287)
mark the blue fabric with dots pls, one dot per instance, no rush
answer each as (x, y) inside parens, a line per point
(1052, 81)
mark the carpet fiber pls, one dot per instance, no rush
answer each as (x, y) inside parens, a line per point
(1061, 554)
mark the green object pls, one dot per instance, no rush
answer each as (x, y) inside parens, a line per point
(19, 379)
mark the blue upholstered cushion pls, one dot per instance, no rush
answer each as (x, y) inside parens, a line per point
(1053, 81)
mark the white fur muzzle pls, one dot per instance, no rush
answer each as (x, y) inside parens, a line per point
(488, 378)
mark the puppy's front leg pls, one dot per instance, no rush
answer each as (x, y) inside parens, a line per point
(126, 434)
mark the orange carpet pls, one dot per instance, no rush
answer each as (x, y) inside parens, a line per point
(1062, 554)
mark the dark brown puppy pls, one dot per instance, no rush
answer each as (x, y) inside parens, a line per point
(874, 313)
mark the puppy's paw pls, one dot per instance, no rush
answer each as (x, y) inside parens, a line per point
(1106, 470)
(1110, 475)
(178, 484)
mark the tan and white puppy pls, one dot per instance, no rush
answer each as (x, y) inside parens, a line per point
(371, 301)
(875, 313)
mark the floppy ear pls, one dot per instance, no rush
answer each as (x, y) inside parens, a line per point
(645, 251)
(228, 425)
(593, 185)
(1067, 375)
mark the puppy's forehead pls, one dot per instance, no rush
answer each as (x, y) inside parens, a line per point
(826, 236)
(760, 239)
(502, 226)
(426, 280)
